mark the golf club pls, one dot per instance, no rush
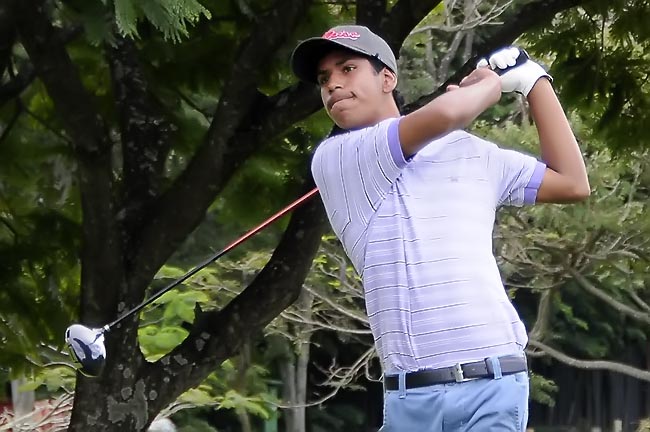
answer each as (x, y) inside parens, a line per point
(86, 345)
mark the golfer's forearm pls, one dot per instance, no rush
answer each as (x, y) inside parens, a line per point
(559, 147)
(453, 110)
(464, 104)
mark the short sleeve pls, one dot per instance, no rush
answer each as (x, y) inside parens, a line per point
(354, 172)
(517, 176)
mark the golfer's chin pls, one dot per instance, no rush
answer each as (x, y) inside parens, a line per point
(347, 120)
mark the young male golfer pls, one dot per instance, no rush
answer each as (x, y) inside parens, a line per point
(413, 201)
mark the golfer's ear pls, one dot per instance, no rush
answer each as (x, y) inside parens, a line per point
(390, 80)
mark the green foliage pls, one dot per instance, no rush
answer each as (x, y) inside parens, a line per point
(39, 239)
(192, 424)
(602, 71)
(254, 405)
(156, 342)
(604, 239)
(542, 390)
(52, 380)
(126, 16)
(337, 417)
(223, 389)
(162, 327)
(170, 17)
(234, 385)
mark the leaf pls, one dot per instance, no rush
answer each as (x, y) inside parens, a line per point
(197, 397)
(126, 17)
(97, 23)
(172, 16)
(156, 342)
(31, 385)
(170, 272)
(542, 390)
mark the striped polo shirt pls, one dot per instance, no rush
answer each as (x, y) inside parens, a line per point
(419, 232)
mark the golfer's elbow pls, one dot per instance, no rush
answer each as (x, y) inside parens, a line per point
(582, 191)
(578, 191)
(563, 189)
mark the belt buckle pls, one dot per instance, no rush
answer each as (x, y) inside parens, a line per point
(457, 372)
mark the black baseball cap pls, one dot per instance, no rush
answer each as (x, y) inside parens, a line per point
(360, 39)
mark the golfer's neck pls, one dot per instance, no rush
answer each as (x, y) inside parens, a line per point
(387, 111)
(390, 110)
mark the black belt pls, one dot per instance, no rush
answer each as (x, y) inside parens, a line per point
(458, 373)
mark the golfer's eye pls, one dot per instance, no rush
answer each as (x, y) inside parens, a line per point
(322, 80)
(349, 68)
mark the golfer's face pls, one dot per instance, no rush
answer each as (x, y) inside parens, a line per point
(351, 89)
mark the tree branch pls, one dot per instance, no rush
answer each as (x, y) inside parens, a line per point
(611, 301)
(274, 115)
(643, 305)
(370, 12)
(278, 112)
(350, 313)
(53, 65)
(527, 17)
(144, 134)
(317, 324)
(12, 121)
(544, 310)
(591, 364)
(44, 123)
(212, 165)
(217, 335)
(403, 16)
(7, 35)
(14, 87)
(101, 254)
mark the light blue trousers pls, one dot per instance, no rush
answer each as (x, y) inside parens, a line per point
(497, 404)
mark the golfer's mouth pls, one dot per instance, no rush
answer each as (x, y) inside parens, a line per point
(335, 100)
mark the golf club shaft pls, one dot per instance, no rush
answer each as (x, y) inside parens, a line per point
(215, 257)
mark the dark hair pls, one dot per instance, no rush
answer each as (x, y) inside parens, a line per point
(378, 66)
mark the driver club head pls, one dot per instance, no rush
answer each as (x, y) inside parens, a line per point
(87, 349)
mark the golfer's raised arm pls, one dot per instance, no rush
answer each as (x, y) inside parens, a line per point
(565, 179)
(453, 110)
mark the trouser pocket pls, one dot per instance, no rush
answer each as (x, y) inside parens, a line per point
(496, 405)
(418, 410)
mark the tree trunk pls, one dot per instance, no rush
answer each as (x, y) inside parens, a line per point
(21, 401)
(302, 363)
(288, 373)
(294, 373)
(244, 420)
(244, 364)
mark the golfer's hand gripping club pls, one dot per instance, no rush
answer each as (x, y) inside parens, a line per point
(518, 72)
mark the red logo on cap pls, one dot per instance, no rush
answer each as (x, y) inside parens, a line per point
(343, 34)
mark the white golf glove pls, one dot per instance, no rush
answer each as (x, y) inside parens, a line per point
(518, 72)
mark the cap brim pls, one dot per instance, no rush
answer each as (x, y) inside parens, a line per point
(305, 58)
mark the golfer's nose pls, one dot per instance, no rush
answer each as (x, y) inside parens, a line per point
(335, 82)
